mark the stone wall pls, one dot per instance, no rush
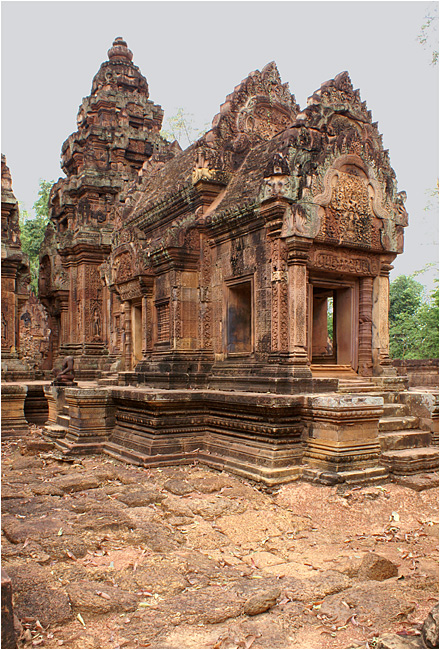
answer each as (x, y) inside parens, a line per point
(421, 372)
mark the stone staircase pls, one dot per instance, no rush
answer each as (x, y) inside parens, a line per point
(405, 444)
(355, 385)
(108, 378)
(60, 428)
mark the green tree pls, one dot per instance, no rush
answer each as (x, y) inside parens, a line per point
(428, 36)
(32, 230)
(181, 127)
(405, 296)
(414, 324)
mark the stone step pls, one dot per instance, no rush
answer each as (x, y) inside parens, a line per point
(394, 423)
(332, 370)
(65, 409)
(55, 431)
(109, 380)
(355, 387)
(63, 421)
(410, 461)
(390, 410)
(404, 439)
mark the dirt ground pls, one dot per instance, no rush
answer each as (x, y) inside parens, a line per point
(107, 555)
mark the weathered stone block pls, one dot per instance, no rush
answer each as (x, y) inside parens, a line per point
(91, 420)
(342, 432)
(12, 400)
(8, 633)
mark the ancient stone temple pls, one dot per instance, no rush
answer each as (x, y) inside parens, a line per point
(228, 257)
(15, 281)
(118, 130)
(230, 301)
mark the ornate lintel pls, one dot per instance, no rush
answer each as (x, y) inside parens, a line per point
(361, 264)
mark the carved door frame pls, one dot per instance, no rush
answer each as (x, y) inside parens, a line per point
(348, 290)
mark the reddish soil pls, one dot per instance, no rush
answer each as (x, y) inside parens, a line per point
(107, 555)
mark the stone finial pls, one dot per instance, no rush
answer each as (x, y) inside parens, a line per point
(119, 50)
(6, 176)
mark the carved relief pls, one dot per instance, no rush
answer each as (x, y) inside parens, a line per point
(348, 215)
(280, 309)
(275, 186)
(96, 324)
(259, 117)
(130, 290)
(177, 307)
(34, 332)
(5, 331)
(93, 301)
(340, 262)
(163, 322)
(350, 204)
(205, 326)
(123, 267)
(401, 213)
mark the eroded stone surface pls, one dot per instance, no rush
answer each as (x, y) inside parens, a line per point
(147, 575)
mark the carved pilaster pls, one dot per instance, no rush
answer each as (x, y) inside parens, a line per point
(126, 337)
(205, 320)
(380, 323)
(144, 324)
(176, 311)
(365, 326)
(280, 308)
(298, 248)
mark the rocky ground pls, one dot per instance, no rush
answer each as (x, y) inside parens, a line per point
(107, 555)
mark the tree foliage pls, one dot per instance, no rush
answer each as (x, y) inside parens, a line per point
(181, 127)
(32, 230)
(414, 322)
(428, 36)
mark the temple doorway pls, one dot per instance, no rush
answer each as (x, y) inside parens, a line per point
(136, 328)
(333, 324)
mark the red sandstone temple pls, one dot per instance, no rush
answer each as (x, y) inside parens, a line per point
(229, 301)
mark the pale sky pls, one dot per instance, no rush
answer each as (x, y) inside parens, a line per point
(194, 53)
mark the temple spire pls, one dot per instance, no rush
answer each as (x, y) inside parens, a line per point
(119, 50)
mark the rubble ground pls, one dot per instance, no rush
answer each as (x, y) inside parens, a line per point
(106, 555)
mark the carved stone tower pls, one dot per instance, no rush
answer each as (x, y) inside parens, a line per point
(118, 130)
(15, 280)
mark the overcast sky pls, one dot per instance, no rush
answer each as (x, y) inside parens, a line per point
(194, 53)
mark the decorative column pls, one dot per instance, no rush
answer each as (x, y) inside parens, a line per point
(9, 308)
(380, 323)
(365, 326)
(280, 307)
(144, 325)
(147, 285)
(127, 343)
(298, 248)
(273, 211)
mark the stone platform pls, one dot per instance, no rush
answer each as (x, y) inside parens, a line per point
(273, 438)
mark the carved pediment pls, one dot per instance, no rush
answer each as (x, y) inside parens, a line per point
(260, 107)
(352, 209)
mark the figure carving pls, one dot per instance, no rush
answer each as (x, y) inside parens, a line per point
(66, 376)
(96, 323)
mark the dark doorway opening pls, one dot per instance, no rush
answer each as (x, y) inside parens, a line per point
(334, 323)
(239, 318)
(324, 344)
